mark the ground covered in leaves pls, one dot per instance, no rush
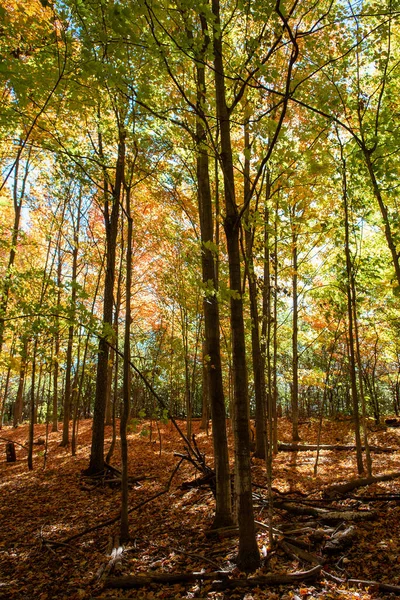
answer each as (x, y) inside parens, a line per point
(41, 510)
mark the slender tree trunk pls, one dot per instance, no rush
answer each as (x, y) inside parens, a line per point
(352, 357)
(368, 458)
(76, 396)
(116, 357)
(185, 343)
(205, 402)
(248, 557)
(126, 379)
(3, 399)
(32, 407)
(39, 394)
(68, 368)
(212, 344)
(275, 330)
(96, 463)
(295, 351)
(257, 357)
(18, 406)
(57, 345)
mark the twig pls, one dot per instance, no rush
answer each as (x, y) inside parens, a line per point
(14, 442)
(200, 556)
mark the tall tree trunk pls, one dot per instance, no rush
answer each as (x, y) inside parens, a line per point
(295, 351)
(96, 463)
(68, 367)
(368, 459)
(275, 332)
(126, 379)
(32, 407)
(205, 398)
(352, 356)
(116, 357)
(57, 344)
(248, 557)
(3, 397)
(212, 344)
(39, 395)
(257, 357)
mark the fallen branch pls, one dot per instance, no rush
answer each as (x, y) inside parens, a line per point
(14, 442)
(343, 488)
(267, 580)
(340, 540)
(298, 553)
(194, 555)
(197, 459)
(383, 587)
(133, 581)
(333, 447)
(324, 514)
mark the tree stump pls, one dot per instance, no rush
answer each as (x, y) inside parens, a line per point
(10, 452)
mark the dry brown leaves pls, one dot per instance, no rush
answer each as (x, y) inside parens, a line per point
(169, 533)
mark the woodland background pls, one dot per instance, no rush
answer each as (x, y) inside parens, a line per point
(199, 220)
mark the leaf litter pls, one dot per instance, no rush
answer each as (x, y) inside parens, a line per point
(169, 533)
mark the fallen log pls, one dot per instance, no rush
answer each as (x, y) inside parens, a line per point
(133, 581)
(269, 580)
(299, 553)
(327, 515)
(221, 578)
(343, 488)
(336, 448)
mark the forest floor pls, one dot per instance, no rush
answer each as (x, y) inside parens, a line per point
(169, 533)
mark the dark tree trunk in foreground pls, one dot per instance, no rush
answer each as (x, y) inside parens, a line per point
(111, 225)
(212, 350)
(126, 378)
(248, 557)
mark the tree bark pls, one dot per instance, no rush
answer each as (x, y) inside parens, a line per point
(124, 531)
(352, 358)
(96, 463)
(295, 327)
(257, 357)
(18, 406)
(248, 557)
(212, 345)
(68, 367)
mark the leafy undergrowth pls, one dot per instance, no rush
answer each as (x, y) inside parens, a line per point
(168, 534)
